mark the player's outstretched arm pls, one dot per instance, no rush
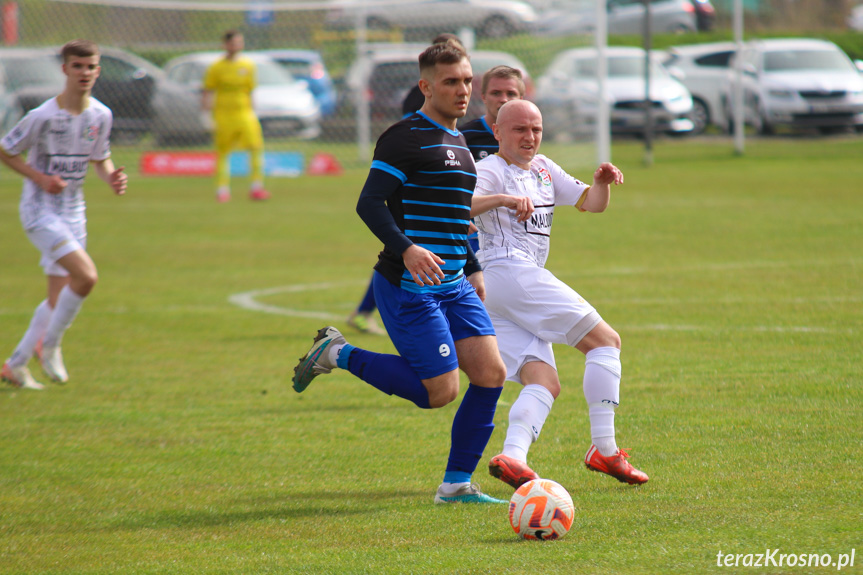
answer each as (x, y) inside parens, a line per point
(50, 184)
(600, 192)
(114, 177)
(521, 205)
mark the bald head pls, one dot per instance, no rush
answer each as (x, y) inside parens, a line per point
(515, 110)
(519, 131)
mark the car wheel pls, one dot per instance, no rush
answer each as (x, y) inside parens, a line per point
(700, 116)
(681, 28)
(762, 126)
(497, 27)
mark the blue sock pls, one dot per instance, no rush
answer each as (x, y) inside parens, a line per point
(471, 430)
(391, 374)
(368, 303)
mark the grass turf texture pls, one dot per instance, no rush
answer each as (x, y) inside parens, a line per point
(179, 447)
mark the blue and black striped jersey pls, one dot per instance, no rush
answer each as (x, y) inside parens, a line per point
(432, 205)
(480, 138)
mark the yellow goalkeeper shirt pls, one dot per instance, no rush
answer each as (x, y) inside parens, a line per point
(232, 82)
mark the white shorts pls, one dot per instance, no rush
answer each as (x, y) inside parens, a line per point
(532, 309)
(55, 238)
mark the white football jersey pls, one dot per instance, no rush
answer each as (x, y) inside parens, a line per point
(59, 143)
(546, 184)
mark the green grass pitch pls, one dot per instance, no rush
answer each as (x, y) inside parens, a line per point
(179, 446)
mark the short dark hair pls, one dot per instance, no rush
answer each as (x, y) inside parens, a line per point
(442, 38)
(79, 49)
(449, 52)
(229, 35)
(506, 73)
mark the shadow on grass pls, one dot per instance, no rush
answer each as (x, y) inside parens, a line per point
(291, 506)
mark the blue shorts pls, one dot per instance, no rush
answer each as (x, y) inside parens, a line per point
(425, 326)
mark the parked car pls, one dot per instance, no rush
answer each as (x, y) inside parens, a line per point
(490, 18)
(627, 17)
(568, 94)
(143, 99)
(855, 19)
(797, 83)
(284, 105)
(705, 15)
(28, 77)
(382, 76)
(387, 72)
(703, 69)
(308, 65)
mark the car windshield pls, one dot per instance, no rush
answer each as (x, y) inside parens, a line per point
(787, 60)
(298, 67)
(272, 74)
(40, 71)
(396, 75)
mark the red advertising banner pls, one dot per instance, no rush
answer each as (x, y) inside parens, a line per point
(10, 23)
(178, 163)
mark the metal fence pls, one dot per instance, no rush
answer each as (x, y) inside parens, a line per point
(345, 65)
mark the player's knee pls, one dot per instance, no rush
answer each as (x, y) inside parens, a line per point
(493, 376)
(442, 396)
(84, 282)
(601, 336)
(613, 339)
(499, 374)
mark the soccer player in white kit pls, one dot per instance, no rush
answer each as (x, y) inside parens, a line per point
(513, 206)
(62, 137)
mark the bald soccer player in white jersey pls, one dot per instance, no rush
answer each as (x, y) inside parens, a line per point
(62, 137)
(513, 206)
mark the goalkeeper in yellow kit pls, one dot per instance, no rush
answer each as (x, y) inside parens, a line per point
(231, 80)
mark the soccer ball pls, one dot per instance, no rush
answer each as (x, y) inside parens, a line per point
(541, 509)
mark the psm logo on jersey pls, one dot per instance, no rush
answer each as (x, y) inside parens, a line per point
(451, 161)
(483, 155)
(91, 133)
(543, 176)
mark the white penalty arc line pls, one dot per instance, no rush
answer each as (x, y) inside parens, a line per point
(248, 300)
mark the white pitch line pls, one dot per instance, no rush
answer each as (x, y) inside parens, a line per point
(247, 300)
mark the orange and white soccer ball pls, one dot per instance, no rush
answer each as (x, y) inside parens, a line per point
(541, 509)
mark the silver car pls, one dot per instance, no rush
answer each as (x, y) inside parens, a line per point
(568, 94)
(570, 17)
(285, 106)
(797, 83)
(490, 18)
(703, 69)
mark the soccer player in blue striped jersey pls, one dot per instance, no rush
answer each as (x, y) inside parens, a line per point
(427, 282)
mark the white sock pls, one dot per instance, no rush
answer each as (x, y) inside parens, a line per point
(526, 418)
(333, 353)
(38, 324)
(452, 488)
(223, 190)
(257, 185)
(68, 305)
(602, 372)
